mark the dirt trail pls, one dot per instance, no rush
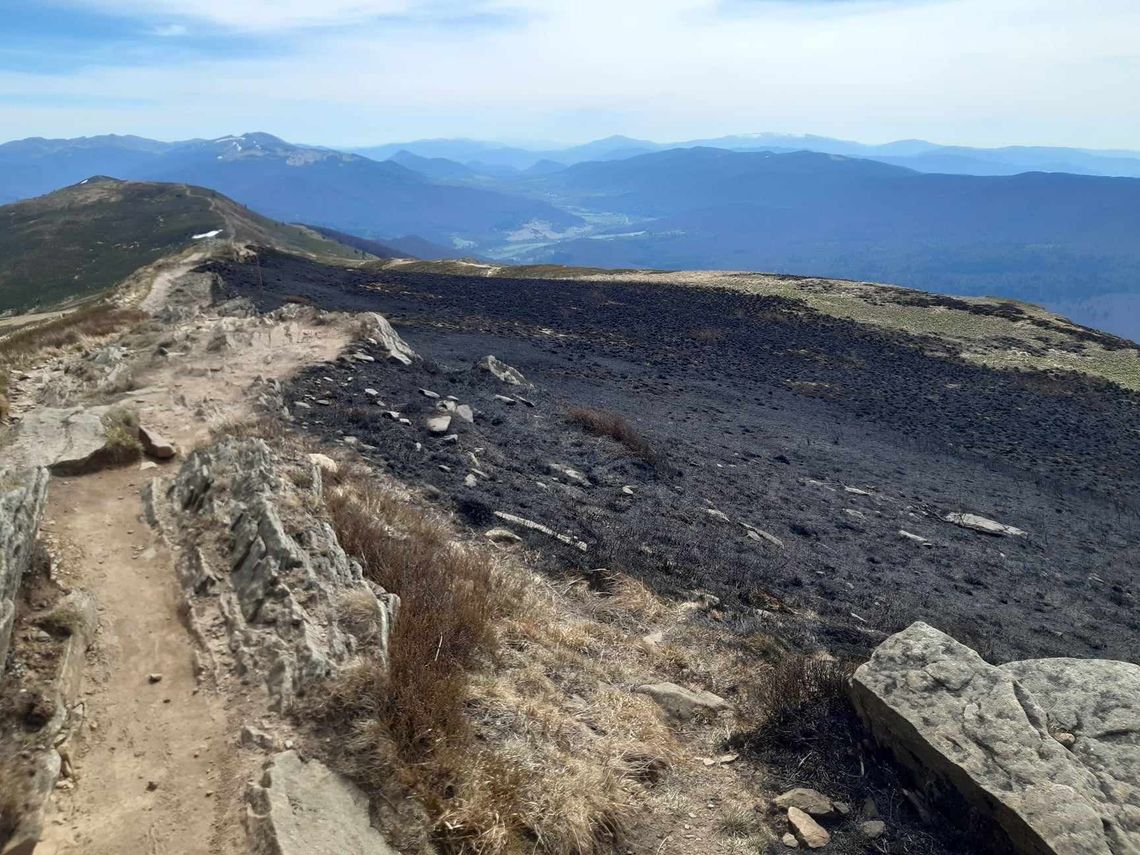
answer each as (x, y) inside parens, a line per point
(158, 768)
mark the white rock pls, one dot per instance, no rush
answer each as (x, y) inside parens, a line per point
(985, 526)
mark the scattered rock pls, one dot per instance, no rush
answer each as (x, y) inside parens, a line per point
(759, 534)
(147, 465)
(379, 330)
(304, 808)
(438, 425)
(684, 703)
(627, 490)
(985, 526)
(470, 480)
(154, 678)
(504, 372)
(569, 474)
(371, 393)
(717, 515)
(539, 527)
(964, 725)
(917, 538)
(808, 832)
(855, 491)
(251, 737)
(790, 841)
(465, 412)
(502, 535)
(809, 801)
(872, 829)
(428, 393)
(325, 463)
(506, 399)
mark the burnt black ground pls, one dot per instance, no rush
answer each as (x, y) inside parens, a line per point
(766, 411)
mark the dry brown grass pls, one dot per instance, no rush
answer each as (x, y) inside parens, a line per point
(606, 423)
(90, 322)
(94, 321)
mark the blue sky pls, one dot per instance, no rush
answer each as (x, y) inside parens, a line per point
(354, 72)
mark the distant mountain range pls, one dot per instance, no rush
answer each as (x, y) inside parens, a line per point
(918, 155)
(284, 181)
(1067, 240)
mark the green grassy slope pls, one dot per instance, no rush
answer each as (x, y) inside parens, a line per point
(84, 239)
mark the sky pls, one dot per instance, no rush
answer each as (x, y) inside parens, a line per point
(359, 72)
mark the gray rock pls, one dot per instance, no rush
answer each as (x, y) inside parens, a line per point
(303, 808)
(808, 832)
(522, 522)
(569, 474)
(501, 535)
(502, 371)
(438, 425)
(809, 801)
(683, 703)
(465, 412)
(974, 729)
(985, 526)
(155, 445)
(22, 496)
(277, 591)
(377, 328)
(66, 441)
(873, 829)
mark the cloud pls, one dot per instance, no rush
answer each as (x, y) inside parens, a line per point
(960, 71)
(170, 31)
(283, 15)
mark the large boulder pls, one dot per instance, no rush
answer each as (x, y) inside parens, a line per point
(304, 808)
(381, 333)
(22, 496)
(989, 736)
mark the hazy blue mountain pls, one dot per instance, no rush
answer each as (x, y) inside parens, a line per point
(920, 155)
(436, 168)
(1042, 237)
(287, 182)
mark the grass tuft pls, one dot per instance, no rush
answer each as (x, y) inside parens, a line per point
(606, 423)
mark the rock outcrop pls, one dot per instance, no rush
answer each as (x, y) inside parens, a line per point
(65, 440)
(303, 808)
(985, 735)
(377, 329)
(501, 371)
(22, 496)
(256, 560)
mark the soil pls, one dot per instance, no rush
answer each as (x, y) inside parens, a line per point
(766, 412)
(157, 765)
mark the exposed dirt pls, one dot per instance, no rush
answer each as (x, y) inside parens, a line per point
(157, 765)
(765, 411)
(157, 771)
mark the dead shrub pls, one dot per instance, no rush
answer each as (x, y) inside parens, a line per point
(606, 423)
(121, 427)
(795, 689)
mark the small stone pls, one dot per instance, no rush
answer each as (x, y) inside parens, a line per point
(438, 425)
(505, 399)
(501, 535)
(325, 463)
(842, 808)
(470, 480)
(155, 445)
(627, 490)
(371, 393)
(154, 678)
(151, 786)
(790, 840)
(451, 438)
(807, 831)
(809, 801)
(147, 464)
(873, 829)
(1067, 740)
(428, 393)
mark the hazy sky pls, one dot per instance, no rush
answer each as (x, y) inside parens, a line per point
(353, 72)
